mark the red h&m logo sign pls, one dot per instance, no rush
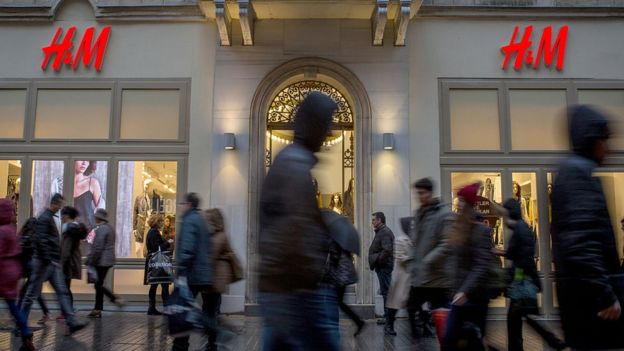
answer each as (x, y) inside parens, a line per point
(62, 49)
(547, 49)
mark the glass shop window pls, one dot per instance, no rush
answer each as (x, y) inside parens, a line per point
(10, 178)
(474, 119)
(150, 114)
(12, 112)
(524, 190)
(144, 188)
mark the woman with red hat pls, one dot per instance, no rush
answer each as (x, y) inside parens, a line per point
(471, 257)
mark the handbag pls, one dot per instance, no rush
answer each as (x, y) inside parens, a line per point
(159, 268)
(183, 313)
(92, 275)
(523, 293)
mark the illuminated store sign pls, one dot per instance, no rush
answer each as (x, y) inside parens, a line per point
(61, 49)
(547, 49)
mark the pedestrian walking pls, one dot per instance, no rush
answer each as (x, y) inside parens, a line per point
(299, 313)
(398, 293)
(525, 280)
(27, 244)
(381, 258)
(430, 281)
(101, 258)
(47, 266)
(195, 265)
(71, 257)
(471, 246)
(154, 242)
(10, 270)
(589, 278)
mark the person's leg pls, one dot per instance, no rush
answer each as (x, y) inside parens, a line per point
(152, 298)
(284, 327)
(57, 280)
(210, 308)
(346, 309)
(453, 326)
(39, 274)
(416, 300)
(182, 343)
(551, 339)
(68, 284)
(321, 314)
(514, 326)
(389, 328)
(102, 272)
(164, 293)
(20, 321)
(384, 276)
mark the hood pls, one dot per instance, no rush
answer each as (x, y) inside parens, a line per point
(214, 217)
(513, 208)
(313, 120)
(586, 125)
(7, 211)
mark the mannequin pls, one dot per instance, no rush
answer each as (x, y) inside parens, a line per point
(348, 208)
(488, 189)
(517, 195)
(142, 210)
(319, 198)
(157, 203)
(336, 203)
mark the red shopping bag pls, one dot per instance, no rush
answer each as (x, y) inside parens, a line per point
(440, 317)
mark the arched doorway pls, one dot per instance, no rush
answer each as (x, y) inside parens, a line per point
(271, 112)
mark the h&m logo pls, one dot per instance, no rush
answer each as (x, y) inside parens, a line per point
(547, 49)
(62, 49)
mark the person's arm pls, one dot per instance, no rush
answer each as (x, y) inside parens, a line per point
(98, 246)
(186, 247)
(96, 190)
(387, 245)
(482, 258)
(442, 249)
(403, 249)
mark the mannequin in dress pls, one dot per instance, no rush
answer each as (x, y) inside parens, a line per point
(488, 189)
(336, 203)
(87, 192)
(348, 208)
(142, 210)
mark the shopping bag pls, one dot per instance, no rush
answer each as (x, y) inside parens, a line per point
(440, 317)
(159, 268)
(92, 275)
(183, 313)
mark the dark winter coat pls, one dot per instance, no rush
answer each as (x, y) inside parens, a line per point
(521, 248)
(339, 269)
(471, 262)
(293, 240)
(195, 254)
(588, 271)
(27, 237)
(153, 241)
(48, 241)
(10, 265)
(430, 250)
(103, 249)
(71, 258)
(381, 251)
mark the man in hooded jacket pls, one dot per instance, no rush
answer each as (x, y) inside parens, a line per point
(588, 272)
(299, 312)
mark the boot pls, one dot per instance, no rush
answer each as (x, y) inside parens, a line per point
(27, 344)
(389, 328)
(152, 311)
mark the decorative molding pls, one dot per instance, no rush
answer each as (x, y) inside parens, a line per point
(247, 17)
(379, 19)
(224, 23)
(401, 21)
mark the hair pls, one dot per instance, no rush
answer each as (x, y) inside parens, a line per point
(56, 199)
(70, 212)
(154, 220)
(192, 199)
(518, 192)
(461, 229)
(215, 220)
(380, 216)
(91, 168)
(333, 203)
(424, 183)
(171, 220)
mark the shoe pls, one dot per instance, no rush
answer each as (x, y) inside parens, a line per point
(360, 326)
(119, 302)
(76, 327)
(95, 314)
(381, 321)
(44, 319)
(153, 312)
(389, 330)
(27, 344)
(60, 317)
(559, 345)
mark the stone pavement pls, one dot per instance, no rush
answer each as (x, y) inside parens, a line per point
(118, 331)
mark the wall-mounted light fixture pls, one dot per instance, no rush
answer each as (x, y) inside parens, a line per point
(230, 141)
(388, 141)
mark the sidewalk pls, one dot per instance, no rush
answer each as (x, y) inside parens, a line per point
(124, 331)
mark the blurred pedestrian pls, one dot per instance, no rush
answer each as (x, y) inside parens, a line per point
(27, 237)
(471, 246)
(10, 270)
(47, 266)
(102, 258)
(169, 233)
(398, 293)
(299, 313)
(590, 281)
(430, 280)
(195, 265)
(155, 241)
(71, 257)
(381, 258)
(524, 277)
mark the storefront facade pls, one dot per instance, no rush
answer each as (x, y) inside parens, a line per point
(151, 123)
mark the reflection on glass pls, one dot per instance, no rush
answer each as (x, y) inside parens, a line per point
(10, 179)
(144, 188)
(89, 189)
(524, 190)
(47, 180)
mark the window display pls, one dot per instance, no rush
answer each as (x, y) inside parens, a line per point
(144, 188)
(47, 180)
(524, 190)
(89, 189)
(10, 176)
(613, 186)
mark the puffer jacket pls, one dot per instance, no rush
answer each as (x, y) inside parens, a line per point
(70, 249)
(588, 272)
(195, 255)
(10, 265)
(47, 238)
(293, 241)
(430, 252)
(381, 251)
(102, 252)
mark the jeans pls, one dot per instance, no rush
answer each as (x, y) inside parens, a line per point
(21, 322)
(52, 273)
(164, 288)
(40, 299)
(514, 328)
(346, 309)
(101, 290)
(466, 326)
(210, 302)
(300, 320)
(385, 277)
